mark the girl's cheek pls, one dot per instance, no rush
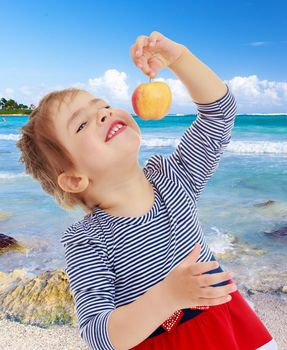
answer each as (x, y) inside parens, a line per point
(90, 144)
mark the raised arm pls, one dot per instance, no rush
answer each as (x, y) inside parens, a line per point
(203, 85)
(198, 154)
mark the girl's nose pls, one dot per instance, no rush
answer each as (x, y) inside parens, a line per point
(103, 115)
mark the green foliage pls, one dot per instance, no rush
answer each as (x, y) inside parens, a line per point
(12, 105)
(16, 111)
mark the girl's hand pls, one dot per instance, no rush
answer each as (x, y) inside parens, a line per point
(187, 285)
(154, 52)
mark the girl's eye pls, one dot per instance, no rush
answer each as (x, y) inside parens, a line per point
(80, 127)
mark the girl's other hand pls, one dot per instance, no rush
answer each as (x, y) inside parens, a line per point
(154, 52)
(188, 286)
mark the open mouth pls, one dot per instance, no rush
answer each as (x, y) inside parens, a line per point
(115, 129)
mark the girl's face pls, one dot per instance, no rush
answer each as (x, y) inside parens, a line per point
(82, 124)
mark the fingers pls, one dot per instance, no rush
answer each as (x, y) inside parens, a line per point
(138, 54)
(217, 292)
(201, 267)
(142, 60)
(217, 301)
(144, 40)
(137, 49)
(213, 278)
(141, 41)
(155, 37)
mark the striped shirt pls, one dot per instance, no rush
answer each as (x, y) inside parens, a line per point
(113, 260)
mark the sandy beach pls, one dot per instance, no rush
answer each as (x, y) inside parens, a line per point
(271, 308)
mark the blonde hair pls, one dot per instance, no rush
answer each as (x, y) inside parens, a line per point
(44, 157)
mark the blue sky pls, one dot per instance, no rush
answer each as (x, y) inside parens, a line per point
(48, 45)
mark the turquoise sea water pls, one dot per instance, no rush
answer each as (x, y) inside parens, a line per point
(252, 170)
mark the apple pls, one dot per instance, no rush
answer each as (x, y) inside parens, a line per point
(152, 100)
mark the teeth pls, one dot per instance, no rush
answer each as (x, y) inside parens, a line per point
(115, 129)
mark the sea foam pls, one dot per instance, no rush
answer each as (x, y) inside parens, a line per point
(6, 175)
(9, 137)
(255, 147)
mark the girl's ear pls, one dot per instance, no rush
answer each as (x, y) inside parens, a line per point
(74, 183)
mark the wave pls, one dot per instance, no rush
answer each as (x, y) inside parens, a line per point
(271, 114)
(255, 147)
(159, 142)
(13, 137)
(5, 175)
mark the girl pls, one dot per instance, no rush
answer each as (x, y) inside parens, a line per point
(138, 278)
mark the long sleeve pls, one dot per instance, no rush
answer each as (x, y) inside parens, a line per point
(92, 284)
(197, 155)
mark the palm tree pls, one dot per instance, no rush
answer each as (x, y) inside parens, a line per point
(3, 102)
(11, 104)
(21, 106)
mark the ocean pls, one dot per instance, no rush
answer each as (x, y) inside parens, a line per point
(243, 202)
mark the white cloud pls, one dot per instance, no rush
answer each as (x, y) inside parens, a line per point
(252, 94)
(112, 85)
(257, 95)
(180, 95)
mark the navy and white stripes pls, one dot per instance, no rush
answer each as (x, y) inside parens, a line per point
(112, 260)
(207, 138)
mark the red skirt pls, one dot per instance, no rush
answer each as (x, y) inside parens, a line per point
(230, 326)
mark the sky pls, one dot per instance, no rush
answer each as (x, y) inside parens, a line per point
(51, 45)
